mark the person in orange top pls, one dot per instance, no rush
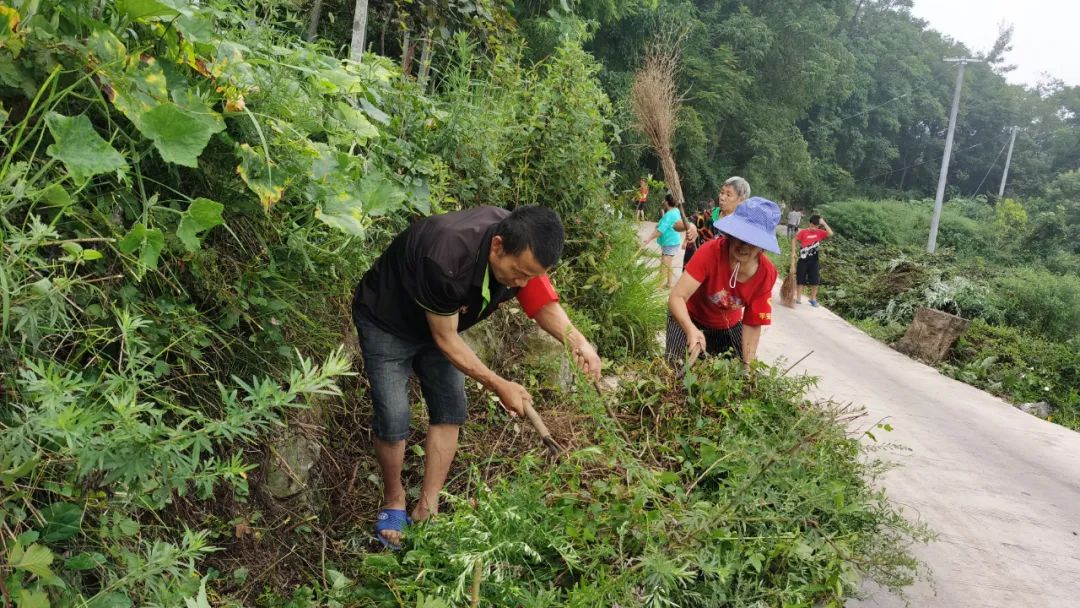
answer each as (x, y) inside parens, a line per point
(643, 197)
(724, 295)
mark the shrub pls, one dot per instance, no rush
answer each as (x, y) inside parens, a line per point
(906, 224)
(861, 221)
(1021, 366)
(611, 280)
(1041, 301)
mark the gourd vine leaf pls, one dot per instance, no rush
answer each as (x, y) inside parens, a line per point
(32, 599)
(180, 131)
(80, 148)
(346, 206)
(146, 9)
(106, 47)
(259, 176)
(147, 241)
(356, 122)
(10, 38)
(202, 215)
(138, 89)
(62, 521)
(380, 195)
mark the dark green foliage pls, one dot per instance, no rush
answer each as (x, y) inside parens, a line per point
(905, 224)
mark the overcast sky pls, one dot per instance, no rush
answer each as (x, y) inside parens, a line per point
(1046, 36)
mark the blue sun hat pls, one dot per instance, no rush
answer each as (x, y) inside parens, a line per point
(754, 222)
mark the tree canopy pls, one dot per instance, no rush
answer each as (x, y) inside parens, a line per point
(809, 100)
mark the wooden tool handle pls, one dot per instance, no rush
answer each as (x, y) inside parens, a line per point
(545, 435)
(536, 421)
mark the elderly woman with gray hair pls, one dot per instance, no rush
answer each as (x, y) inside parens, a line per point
(733, 192)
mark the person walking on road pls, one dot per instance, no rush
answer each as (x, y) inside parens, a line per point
(794, 218)
(724, 296)
(807, 243)
(439, 277)
(668, 237)
(642, 198)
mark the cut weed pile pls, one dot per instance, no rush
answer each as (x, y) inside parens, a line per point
(725, 491)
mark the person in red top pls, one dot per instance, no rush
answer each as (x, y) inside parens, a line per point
(724, 295)
(808, 243)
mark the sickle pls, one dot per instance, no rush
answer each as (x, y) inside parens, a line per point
(545, 435)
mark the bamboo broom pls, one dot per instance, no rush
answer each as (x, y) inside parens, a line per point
(790, 288)
(655, 102)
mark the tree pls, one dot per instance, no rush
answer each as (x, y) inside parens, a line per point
(359, 28)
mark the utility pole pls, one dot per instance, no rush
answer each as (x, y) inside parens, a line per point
(1008, 159)
(931, 245)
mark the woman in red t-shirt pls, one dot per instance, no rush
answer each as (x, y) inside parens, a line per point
(724, 295)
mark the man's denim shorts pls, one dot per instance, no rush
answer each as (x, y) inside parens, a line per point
(388, 359)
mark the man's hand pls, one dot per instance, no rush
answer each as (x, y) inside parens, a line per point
(553, 319)
(513, 397)
(586, 358)
(691, 233)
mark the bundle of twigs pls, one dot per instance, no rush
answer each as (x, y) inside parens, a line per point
(655, 101)
(788, 289)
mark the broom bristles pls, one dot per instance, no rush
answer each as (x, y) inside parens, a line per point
(788, 290)
(654, 100)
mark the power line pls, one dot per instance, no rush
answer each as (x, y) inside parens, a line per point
(915, 165)
(842, 120)
(992, 165)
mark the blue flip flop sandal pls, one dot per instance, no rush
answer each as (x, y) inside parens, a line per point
(394, 520)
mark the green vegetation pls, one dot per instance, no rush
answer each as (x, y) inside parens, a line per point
(996, 268)
(188, 195)
(736, 491)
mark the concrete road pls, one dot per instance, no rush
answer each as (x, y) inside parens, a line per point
(1000, 487)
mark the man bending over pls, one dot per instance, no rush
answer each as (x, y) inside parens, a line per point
(439, 277)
